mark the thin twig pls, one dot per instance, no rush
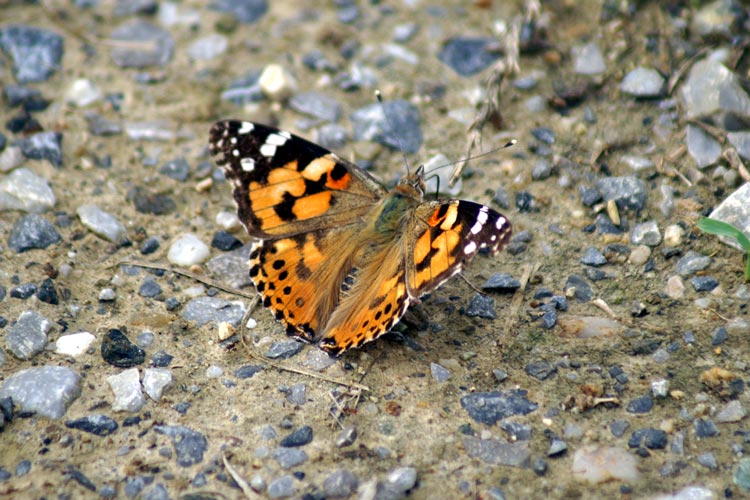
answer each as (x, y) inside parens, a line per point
(187, 274)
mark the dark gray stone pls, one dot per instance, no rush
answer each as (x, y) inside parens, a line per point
(401, 130)
(246, 11)
(101, 425)
(496, 452)
(489, 407)
(466, 55)
(28, 336)
(481, 306)
(629, 193)
(299, 437)
(43, 146)
(284, 349)
(119, 351)
(189, 445)
(36, 53)
(32, 231)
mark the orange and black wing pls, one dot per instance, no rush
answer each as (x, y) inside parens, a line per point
(444, 238)
(284, 185)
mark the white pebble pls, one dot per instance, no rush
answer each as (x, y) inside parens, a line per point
(598, 464)
(187, 250)
(156, 381)
(107, 295)
(127, 388)
(82, 92)
(228, 221)
(276, 82)
(214, 371)
(74, 344)
(673, 235)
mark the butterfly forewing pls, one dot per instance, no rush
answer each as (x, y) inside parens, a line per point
(285, 185)
(444, 238)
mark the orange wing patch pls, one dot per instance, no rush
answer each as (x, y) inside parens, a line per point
(280, 271)
(290, 194)
(375, 303)
(436, 251)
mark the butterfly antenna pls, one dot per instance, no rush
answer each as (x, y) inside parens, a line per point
(486, 153)
(379, 97)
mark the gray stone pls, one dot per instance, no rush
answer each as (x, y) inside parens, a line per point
(204, 310)
(628, 192)
(43, 146)
(45, 390)
(317, 105)
(712, 90)
(28, 336)
(439, 373)
(588, 60)
(340, 484)
(646, 233)
(489, 407)
(741, 141)
(189, 445)
(23, 190)
(245, 11)
(208, 47)
(288, 458)
(281, 487)
(691, 263)
(401, 130)
(36, 53)
(32, 231)
(496, 452)
(284, 349)
(145, 45)
(102, 223)
(481, 306)
(703, 148)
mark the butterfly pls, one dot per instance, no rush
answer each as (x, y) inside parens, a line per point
(339, 257)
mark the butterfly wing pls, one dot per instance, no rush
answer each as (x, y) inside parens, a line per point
(444, 238)
(439, 241)
(285, 185)
(304, 203)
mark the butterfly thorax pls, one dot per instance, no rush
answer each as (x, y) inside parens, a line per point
(397, 205)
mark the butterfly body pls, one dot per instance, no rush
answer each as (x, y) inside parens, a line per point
(340, 257)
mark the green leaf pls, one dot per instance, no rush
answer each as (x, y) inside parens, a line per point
(720, 228)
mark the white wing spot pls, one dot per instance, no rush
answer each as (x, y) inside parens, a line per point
(478, 225)
(246, 128)
(277, 139)
(470, 248)
(233, 140)
(500, 222)
(493, 238)
(220, 144)
(235, 152)
(268, 150)
(248, 164)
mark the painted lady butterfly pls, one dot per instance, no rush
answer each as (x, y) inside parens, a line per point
(341, 257)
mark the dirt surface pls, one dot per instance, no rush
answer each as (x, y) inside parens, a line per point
(403, 409)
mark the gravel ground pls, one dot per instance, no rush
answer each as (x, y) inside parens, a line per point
(606, 357)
